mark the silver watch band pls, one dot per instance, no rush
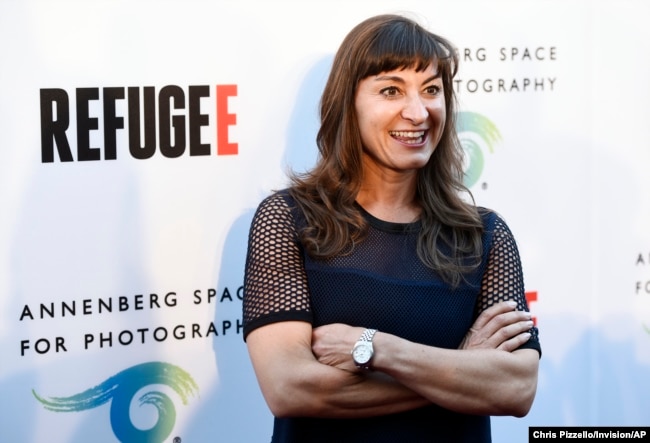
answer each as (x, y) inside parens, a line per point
(367, 335)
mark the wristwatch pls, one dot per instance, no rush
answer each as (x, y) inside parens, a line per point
(363, 351)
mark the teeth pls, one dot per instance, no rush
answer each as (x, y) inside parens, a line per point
(407, 134)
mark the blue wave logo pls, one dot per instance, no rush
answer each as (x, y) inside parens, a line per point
(120, 390)
(476, 132)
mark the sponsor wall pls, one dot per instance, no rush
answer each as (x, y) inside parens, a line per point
(138, 137)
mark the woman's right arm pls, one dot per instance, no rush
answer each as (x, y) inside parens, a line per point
(292, 380)
(295, 384)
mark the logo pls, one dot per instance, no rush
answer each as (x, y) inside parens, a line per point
(477, 133)
(171, 121)
(121, 388)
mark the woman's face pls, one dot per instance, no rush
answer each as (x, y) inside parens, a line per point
(401, 116)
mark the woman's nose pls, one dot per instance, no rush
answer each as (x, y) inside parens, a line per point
(414, 110)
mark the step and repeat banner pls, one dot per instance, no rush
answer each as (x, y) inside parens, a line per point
(139, 136)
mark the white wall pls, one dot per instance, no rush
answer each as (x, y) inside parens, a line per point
(569, 173)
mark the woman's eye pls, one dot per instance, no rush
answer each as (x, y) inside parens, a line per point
(433, 89)
(390, 91)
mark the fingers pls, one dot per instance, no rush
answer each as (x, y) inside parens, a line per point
(499, 327)
(501, 320)
(514, 343)
(492, 311)
(512, 336)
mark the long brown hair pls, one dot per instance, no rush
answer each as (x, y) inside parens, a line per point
(450, 240)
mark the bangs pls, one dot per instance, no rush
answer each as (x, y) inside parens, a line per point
(405, 45)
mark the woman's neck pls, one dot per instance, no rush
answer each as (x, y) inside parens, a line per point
(390, 198)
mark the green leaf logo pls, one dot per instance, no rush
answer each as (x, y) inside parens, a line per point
(476, 133)
(120, 390)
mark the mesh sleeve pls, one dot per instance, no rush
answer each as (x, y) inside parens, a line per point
(275, 283)
(503, 279)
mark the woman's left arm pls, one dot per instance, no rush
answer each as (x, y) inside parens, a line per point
(472, 381)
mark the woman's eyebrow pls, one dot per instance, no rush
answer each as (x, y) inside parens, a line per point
(398, 79)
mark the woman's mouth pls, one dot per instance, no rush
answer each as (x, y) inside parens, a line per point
(409, 137)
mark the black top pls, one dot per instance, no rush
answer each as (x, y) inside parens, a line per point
(382, 284)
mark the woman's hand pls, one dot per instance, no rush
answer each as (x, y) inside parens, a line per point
(332, 345)
(499, 327)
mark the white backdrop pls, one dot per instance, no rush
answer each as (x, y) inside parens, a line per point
(122, 271)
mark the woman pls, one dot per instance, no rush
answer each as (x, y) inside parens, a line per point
(377, 249)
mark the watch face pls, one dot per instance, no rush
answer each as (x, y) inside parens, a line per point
(362, 353)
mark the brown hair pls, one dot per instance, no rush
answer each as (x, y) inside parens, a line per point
(327, 193)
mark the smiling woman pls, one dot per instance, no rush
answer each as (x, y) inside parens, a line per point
(377, 250)
(401, 116)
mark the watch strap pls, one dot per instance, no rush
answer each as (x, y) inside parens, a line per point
(367, 335)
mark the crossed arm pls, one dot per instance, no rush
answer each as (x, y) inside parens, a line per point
(305, 372)
(309, 372)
